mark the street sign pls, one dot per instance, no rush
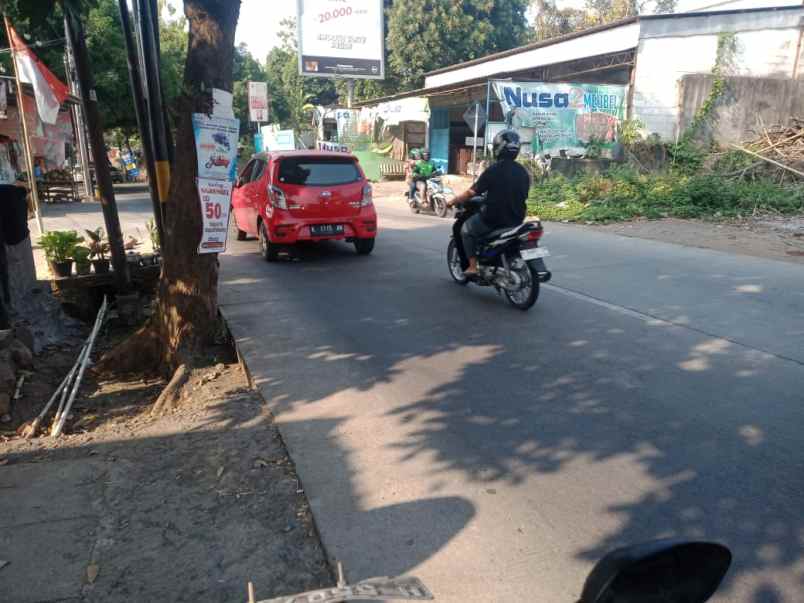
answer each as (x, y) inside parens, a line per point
(258, 101)
(475, 110)
(343, 38)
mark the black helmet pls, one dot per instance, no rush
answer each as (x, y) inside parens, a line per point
(426, 155)
(506, 145)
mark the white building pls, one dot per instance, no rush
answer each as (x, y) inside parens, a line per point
(650, 54)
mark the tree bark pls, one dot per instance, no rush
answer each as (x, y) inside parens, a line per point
(187, 296)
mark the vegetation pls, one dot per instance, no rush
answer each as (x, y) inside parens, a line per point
(59, 245)
(623, 193)
(98, 244)
(424, 35)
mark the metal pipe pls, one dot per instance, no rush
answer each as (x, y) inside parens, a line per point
(488, 118)
(98, 322)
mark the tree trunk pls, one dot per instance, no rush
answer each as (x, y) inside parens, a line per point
(187, 296)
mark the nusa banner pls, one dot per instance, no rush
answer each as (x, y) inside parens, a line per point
(568, 117)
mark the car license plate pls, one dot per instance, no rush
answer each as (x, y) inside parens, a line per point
(326, 230)
(534, 254)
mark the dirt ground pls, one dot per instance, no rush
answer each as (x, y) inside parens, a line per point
(777, 238)
(127, 507)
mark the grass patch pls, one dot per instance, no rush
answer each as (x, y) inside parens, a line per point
(624, 194)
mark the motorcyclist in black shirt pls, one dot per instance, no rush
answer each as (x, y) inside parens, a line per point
(506, 184)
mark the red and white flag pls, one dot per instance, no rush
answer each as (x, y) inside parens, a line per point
(48, 89)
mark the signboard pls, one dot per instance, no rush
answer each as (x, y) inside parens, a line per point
(216, 138)
(216, 146)
(274, 139)
(258, 101)
(569, 117)
(335, 147)
(473, 111)
(341, 38)
(215, 196)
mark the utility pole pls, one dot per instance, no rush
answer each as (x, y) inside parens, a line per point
(171, 150)
(161, 155)
(89, 101)
(141, 110)
(26, 141)
(78, 118)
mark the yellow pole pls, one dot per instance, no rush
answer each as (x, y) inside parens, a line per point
(21, 111)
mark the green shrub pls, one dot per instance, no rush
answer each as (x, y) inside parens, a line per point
(623, 194)
(59, 245)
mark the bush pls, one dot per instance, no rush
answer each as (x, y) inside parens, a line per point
(624, 194)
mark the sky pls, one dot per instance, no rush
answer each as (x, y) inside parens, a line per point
(258, 26)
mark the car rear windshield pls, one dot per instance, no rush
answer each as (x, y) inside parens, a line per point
(318, 171)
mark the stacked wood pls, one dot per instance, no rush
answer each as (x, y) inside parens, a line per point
(778, 152)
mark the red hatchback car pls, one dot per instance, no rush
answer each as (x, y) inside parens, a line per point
(291, 196)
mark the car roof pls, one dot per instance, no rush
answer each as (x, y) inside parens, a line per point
(302, 153)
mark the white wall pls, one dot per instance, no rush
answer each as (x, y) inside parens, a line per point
(670, 49)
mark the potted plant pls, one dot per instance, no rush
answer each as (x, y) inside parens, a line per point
(59, 247)
(81, 257)
(98, 248)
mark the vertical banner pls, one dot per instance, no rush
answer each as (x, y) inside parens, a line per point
(216, 199)
(216, 139)
(569, 117)
(341, 38)
(258, 101)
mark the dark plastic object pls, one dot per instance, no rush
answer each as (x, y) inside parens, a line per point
(664, 571)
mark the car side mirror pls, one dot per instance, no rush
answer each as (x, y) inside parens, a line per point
(671, 571)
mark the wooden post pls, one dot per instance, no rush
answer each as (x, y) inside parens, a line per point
(159, 132)
(89, 100)
(25, 140)
(135, 81)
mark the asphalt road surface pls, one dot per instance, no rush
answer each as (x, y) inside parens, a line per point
(653, 391)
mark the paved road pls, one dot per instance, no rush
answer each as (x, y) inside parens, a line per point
(653, 391)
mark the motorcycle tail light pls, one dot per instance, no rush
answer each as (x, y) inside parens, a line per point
(535, 235)
(368, 195)
(277, 197)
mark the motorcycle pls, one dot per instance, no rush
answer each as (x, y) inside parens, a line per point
(437, 196)
(509, 259)
(669, 571)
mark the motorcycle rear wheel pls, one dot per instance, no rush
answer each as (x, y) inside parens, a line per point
(524, 297)
(454, 263)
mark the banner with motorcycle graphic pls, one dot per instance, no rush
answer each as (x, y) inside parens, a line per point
(580, 119)
(216, 139)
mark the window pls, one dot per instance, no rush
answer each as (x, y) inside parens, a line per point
(259, 166)
(318, 171)
(245, 175)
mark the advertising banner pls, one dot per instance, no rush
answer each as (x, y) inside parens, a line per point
(341, 38)
(216, 138)
(215, 196)
(258, 101)
(216, 146)
(568, 117)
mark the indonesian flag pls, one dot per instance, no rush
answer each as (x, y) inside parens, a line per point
(48, 90)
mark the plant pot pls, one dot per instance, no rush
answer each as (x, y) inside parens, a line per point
(62, 269)
(83, 268)
(101, 266)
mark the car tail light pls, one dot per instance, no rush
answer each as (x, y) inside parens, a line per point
(366, 201)
(277, 198)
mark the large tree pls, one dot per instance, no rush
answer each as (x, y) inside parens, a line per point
(187, 297)
(429, 34)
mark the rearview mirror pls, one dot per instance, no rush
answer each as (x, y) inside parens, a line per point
(664, 571)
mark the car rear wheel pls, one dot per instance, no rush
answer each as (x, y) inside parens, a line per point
(241, 234)
(268, 250)
(364, 246)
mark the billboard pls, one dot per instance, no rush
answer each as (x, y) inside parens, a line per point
(258, 101)
(569, 117)
(341, 38)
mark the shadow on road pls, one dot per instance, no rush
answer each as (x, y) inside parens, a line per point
(711, 425)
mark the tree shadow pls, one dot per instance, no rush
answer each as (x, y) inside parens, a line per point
(658, 430)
